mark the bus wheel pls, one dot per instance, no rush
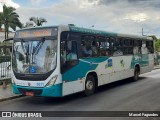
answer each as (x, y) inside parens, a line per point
(136, 74)
(90, 85)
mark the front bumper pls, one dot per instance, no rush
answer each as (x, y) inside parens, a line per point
(53, 91)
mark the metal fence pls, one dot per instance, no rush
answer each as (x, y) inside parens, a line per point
(5, 62)
(5, 67)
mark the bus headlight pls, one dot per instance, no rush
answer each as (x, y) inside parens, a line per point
(13, 82)
(52, 81)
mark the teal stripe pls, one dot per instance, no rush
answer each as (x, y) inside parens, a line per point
(142, 61)
(80, 70)
(96, 60)
(91, 31)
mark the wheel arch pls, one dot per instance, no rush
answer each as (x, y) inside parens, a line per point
(137, 66)
(94, 74)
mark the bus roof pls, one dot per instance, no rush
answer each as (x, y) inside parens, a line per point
(92, 31)
(100, 32)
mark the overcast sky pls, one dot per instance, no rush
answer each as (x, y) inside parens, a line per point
(121, 16)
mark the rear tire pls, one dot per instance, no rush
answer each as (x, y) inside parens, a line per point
(90, 85)
(136, 74)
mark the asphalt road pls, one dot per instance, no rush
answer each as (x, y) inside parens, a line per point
(143, 95)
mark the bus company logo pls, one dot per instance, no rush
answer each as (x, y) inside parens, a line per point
(109, 63)
(122, 63)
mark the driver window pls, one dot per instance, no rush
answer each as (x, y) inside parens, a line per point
(71, 50)
(69, 55)
(68, 51)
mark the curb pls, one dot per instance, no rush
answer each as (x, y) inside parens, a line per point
(10, 98)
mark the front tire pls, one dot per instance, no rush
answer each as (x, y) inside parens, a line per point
(90, 85)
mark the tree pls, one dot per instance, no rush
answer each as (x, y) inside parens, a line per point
(157, 45)
(27, 24)
(10, 19)
(156, 42)
(0, 25)
(153, 37)
(38, 21)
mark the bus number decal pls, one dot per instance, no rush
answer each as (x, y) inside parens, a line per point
(40, 84)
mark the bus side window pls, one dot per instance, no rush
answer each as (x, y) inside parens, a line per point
(104, 46)
(89, 46)
(136, 50)
(149, 45)
(94, 48)
(144, 49)
(72, 50)
(117, 48)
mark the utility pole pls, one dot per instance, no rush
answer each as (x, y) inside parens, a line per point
(142, 32)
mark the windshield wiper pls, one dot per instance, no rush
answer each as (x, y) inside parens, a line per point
(25, 51)
(23, 48)
(38, 47)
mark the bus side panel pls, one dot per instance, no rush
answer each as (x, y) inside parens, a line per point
(74, 78)
(151, 61)
(73, 86)
(147, 63)
(114, 69)
(121, 67)
(103, 70)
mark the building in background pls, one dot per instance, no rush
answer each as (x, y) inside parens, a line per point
(2, 35)
(5, 50)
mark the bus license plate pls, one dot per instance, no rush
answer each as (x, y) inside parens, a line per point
(29, 93)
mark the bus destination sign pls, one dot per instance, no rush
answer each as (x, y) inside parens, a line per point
(36, 33)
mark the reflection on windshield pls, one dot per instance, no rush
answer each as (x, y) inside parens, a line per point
(34, 57)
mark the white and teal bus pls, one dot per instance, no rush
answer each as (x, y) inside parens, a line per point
(61, 60)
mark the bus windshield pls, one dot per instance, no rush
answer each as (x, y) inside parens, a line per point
(35, 56)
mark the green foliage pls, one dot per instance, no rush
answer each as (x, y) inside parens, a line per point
(38, 21)
(27, 24)
(154, 37)
(157, 45)
(156, 42)
(10, 19)
(6, 43)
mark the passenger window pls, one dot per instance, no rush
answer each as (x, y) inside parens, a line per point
(89, 46)
(95, 48)
(149, 45)
(118, 50)
(104, 48)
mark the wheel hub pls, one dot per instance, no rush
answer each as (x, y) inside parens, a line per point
(89, 85)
